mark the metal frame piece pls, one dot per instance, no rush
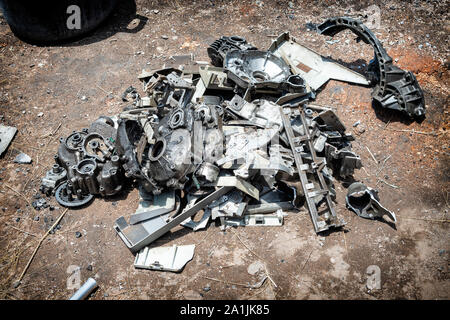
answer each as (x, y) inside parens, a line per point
(329, 217)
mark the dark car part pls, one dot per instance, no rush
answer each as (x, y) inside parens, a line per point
(88, 163)
(219, 48)
(46, 21)
(394, 88)
(364, 201)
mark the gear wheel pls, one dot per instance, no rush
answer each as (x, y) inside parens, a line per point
(65, 198)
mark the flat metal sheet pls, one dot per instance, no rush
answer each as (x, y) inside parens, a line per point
(162, 203)
(142, 234)
(189, 223)
(164, 258)
(315, 69)
(241, 184)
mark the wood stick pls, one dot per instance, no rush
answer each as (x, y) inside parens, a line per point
(414, 131)
(40, 242)
(390, 185)
(29, 233)
(382, 166)
(265, 265)
(431, 220)
(52, 133)
(255, 286)
(373, 157)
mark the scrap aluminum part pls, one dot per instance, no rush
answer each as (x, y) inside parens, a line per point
(172, 258)
(235, 140)
(256, 69)
(315, 69)
(394, 88)
(364, 201)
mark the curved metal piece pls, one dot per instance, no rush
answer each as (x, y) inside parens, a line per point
(364, 201)
(394, 88)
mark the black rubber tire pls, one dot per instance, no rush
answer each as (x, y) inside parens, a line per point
(45, 21)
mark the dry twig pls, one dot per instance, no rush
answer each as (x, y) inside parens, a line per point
(39, 244)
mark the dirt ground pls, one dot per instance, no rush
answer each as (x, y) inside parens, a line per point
(409, 167)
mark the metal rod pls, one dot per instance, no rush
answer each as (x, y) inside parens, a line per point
(85, 290)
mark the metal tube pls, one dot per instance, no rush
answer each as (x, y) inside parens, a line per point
(85, 290)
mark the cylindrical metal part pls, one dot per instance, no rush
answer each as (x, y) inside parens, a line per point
(85, 290)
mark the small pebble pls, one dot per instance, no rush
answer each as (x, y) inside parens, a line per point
(36, 218)
(40, 114)
(17, 219)
(89, 267)
(207, 288)
(78, 234)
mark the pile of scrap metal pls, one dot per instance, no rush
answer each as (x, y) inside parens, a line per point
(237, 139)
